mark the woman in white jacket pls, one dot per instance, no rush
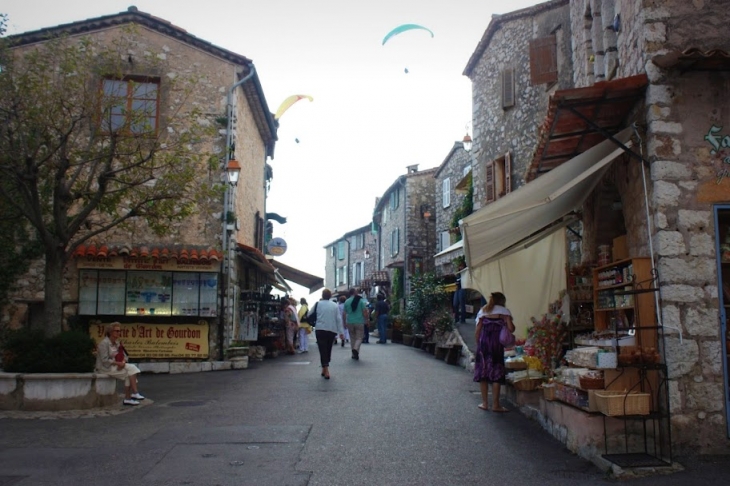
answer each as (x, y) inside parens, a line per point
(327, 327)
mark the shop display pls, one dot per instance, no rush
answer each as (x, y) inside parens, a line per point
(260, 321)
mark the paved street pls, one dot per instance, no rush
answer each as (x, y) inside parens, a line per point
(398, 416)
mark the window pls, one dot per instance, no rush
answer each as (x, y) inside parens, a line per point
(395, 199)
(446, 192)
(394, 242)
(508, 88)
(544, 60)
(358, 241)
(342, 275)
(341, 250)
(498, 178)
(385, 214)
(332, 251)
(357, 273)
(130, 104)
(115, 292)
(444, 240)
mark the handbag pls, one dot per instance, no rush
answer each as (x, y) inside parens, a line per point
(506, 338)
(312, 318)
(121, 354)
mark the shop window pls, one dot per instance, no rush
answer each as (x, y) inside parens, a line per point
(498, 178)
(148, 293)
(544, 60)
(131, 104)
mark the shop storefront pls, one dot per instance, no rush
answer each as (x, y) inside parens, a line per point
(166, 299)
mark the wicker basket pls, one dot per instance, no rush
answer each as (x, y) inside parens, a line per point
(588, 383)
(527, 385)
(548, 392)
(613, 403)
(515, 365)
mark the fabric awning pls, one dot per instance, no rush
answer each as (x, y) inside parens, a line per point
(312, 282)
(447, 255)
(538, 208)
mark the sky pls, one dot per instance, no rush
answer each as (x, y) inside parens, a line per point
(368, 120)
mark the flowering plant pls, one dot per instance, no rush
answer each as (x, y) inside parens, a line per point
(547, 336)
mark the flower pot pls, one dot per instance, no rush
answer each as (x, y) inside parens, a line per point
(389, 334)
(408, 339)
(236, 352)
(397, 336)
(417, 340)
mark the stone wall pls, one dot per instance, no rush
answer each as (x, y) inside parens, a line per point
(514, 130)
(679, 109)
(453, 169)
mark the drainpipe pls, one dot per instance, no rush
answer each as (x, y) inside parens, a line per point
(226, 199)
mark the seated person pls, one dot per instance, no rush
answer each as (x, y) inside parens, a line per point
(109, 360)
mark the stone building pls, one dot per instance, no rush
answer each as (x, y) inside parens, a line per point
(508, 98)
(648, 78)
(453, 178)
(405, 221)
(350, 260)
(192, 276)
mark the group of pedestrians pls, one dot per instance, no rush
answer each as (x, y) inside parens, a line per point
(347, 319)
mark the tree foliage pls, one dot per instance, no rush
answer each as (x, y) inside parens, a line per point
(427, 296)
(71, 171)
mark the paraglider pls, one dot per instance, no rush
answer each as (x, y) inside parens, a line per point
(404, 28)
(288, 102)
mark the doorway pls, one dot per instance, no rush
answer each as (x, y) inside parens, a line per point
(722, 243)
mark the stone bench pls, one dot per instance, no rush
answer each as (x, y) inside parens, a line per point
(56, 391)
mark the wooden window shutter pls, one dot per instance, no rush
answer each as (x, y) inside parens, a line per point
(491, 189)
(507, 173)
(508, 88)
(544, 60)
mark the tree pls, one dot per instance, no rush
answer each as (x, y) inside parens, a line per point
(78, 159)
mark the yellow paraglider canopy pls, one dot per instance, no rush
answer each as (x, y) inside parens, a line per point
(288, 102)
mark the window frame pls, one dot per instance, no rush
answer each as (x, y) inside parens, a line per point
(107, 126)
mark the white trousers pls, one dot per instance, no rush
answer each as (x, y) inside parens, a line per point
(303, 340)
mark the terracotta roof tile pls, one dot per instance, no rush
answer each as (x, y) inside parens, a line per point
(191, 254)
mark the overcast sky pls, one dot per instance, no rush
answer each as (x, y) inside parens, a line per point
(369, 118)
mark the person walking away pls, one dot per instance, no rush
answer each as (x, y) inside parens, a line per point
(356, 314)
(291, 323)
(382, 310)
(459, 303)
(111, 359)
(327, 327)
(341, 306)
(304, 328)
(489, 361)
(368, 327)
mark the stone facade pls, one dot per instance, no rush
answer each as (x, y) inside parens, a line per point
(358, 262)
(455, 168)
(679, 110)
(177, 56)
(513, 130)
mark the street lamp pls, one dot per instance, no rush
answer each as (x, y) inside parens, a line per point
(233, 171)
(466, 142)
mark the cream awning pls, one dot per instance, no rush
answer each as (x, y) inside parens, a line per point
(537, 209)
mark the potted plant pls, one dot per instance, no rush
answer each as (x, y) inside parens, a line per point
(407, 330)
(237, 350)
(396, 324)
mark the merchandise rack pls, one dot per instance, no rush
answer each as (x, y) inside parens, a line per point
(646, 438)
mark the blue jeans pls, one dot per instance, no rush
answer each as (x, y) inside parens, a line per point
(382, 328)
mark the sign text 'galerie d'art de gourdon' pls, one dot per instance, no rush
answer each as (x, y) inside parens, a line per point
(161, 340)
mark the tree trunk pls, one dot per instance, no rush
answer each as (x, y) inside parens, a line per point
(53, 305)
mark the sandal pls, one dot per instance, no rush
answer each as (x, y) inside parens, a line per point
(481, 406)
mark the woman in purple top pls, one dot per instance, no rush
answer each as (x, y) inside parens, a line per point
(489, 361)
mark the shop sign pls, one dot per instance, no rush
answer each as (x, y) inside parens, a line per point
(276, 247)
(137, 263)
(161, 341)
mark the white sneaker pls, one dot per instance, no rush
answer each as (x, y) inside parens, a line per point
(137, 396)
(129, 401)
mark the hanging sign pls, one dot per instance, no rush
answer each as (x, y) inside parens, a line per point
(276, 247)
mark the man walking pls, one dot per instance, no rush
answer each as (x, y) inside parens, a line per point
(356, 312)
